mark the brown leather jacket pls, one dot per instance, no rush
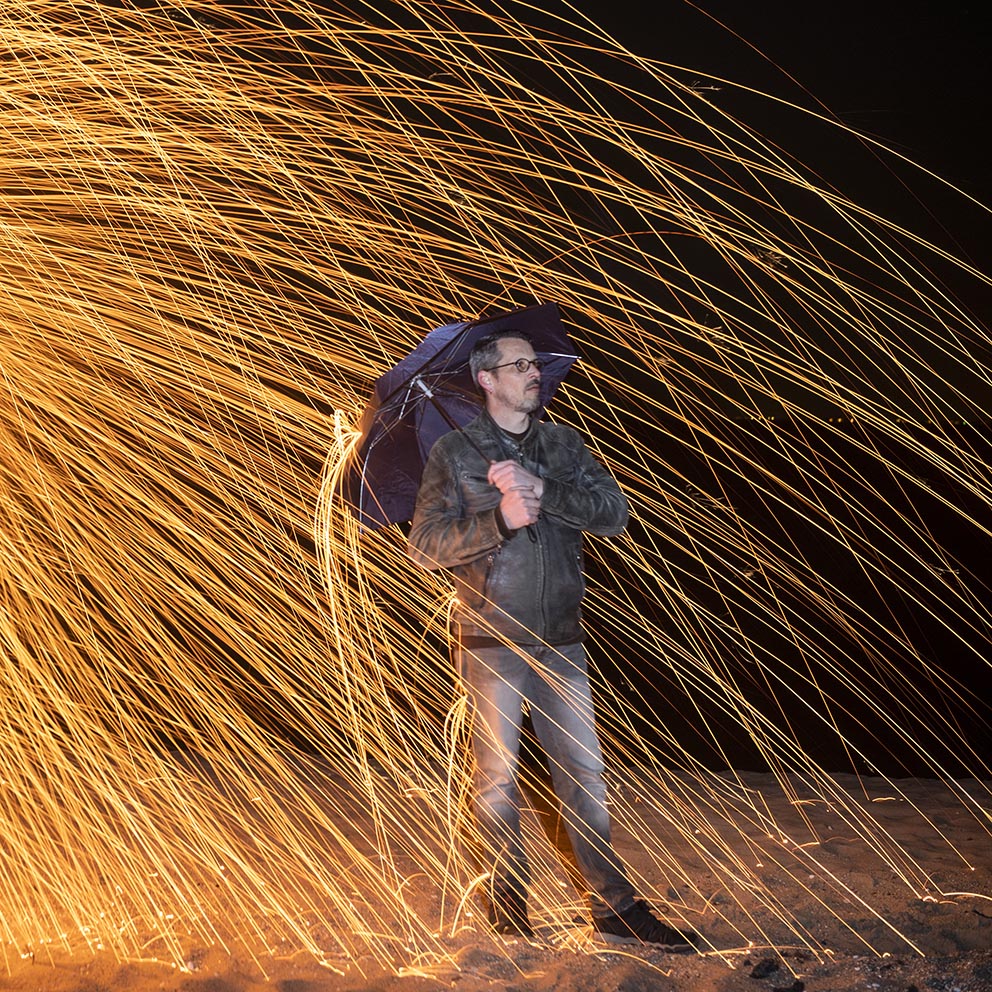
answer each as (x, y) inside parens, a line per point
(527, 587)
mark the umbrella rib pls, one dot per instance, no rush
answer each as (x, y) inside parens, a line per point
(449, 420)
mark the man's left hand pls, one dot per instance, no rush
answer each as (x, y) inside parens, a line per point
(509, 475)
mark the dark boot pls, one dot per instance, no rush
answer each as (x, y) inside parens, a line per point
(508, 914)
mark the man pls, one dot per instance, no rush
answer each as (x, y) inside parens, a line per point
(502, 505)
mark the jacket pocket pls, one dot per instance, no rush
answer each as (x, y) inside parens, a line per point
(489, 578)
(572, 586)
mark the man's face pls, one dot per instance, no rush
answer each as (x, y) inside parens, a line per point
(512, 390)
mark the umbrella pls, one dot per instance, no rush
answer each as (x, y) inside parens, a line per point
(427, 394)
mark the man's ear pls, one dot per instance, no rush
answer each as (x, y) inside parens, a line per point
(485, 381)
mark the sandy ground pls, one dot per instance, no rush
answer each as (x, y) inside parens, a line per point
(914, 941)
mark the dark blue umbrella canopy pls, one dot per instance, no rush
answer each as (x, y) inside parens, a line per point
(427, 394)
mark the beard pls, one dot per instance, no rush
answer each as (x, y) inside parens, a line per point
(531, 401)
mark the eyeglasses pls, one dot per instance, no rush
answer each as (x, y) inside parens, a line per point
(521, 365)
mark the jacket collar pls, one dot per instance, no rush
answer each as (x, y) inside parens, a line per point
(490, 426)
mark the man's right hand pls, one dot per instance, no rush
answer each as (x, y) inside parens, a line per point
(520, 507)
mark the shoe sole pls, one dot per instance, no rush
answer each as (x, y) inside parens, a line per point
(615, 938)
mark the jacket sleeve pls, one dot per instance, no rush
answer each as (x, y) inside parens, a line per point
(590, 500)
(443, 534)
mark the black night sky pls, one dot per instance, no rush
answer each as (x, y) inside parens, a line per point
(913, 75)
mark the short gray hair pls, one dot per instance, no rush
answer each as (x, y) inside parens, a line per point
(485, 351)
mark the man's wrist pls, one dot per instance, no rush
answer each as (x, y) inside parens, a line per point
(550, 492)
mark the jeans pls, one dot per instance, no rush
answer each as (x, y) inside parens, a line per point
(499, 679)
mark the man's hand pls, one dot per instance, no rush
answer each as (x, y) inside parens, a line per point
(509, 475)
(521, 502)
